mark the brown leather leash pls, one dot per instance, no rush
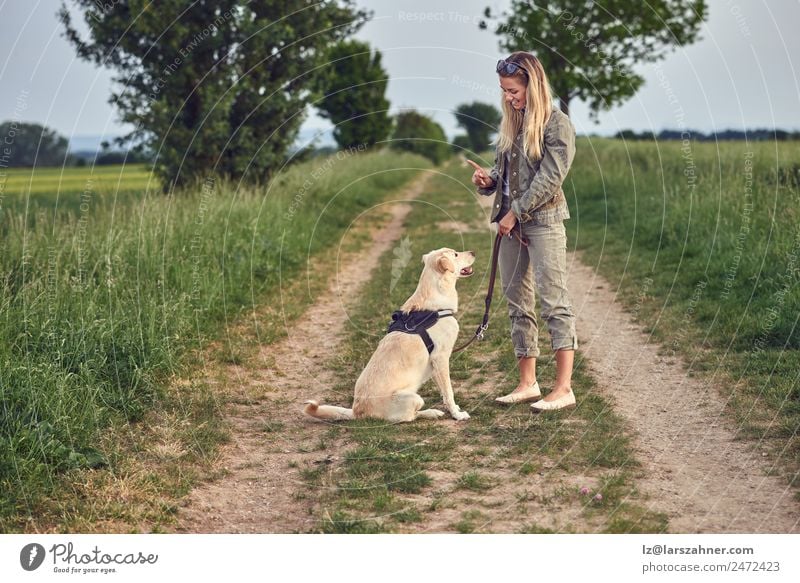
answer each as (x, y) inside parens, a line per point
(492, 276)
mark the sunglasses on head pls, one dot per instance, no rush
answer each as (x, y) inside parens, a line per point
(508, 68)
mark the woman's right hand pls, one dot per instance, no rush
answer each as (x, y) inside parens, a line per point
(480, 177)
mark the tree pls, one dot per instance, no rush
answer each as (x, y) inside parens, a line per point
(29, 144)
(589, 49)
(460, 143)
(479, 120)
(627, 135)
(213, 86)
(418, 133)
(355, 86)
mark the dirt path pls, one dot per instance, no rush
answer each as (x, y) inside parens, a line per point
(270, 434)
(694, 470)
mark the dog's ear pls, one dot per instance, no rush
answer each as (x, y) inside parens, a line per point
(425, 258)
(444, 264)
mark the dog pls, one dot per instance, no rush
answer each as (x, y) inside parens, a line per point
(387, 387)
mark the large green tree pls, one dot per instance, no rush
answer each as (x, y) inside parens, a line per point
(589, 49)
(479, 120)
(418, 133)
(213, 86)
(354, 85)
(26, 144)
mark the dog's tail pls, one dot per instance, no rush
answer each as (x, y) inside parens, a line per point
(329, 412)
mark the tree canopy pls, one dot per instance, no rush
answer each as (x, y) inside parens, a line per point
(589, 49)
(213, 87)
(29, 144)
(418, 133)
(480, 121)
(354, 84)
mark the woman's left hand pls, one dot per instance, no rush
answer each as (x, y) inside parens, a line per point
(506, 223)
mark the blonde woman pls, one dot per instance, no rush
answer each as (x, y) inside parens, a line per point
(534, 150)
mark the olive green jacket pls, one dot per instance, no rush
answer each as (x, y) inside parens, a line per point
(534, 188)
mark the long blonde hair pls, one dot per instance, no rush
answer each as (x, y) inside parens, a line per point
(538, 106)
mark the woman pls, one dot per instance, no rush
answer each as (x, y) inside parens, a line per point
(535, 148)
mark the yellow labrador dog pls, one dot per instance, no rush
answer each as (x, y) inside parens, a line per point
(387, 388)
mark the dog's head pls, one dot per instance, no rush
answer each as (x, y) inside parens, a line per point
(448, 261)
(437, 284)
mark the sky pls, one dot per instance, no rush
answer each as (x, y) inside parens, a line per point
(740, 74)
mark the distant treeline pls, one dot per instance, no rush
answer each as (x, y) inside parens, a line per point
(107, 156)
(757, 135)
(24, 145)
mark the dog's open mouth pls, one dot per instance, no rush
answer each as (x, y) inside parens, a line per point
(466, 272)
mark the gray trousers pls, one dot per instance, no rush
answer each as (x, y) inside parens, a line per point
(542, 266)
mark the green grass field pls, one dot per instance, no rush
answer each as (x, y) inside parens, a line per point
(101, 301)
(65, 189)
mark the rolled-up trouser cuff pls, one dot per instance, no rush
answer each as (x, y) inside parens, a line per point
(564, 343)
(532, 351)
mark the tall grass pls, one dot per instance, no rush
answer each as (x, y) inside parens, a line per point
(100, 301)
(704, 242)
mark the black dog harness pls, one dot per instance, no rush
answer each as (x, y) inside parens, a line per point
(417, 322)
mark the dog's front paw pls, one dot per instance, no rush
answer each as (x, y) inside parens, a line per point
(460, 415)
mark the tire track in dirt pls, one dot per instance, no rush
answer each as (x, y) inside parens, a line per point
(695, 470)
(270, 435)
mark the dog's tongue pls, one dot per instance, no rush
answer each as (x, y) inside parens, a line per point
(466, 271)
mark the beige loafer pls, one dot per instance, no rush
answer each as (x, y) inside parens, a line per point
(565, 402)
(532, 393)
